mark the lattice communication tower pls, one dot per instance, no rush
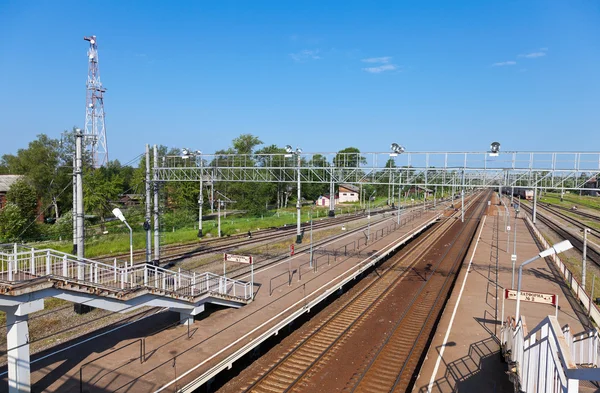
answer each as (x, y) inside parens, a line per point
(95, 128)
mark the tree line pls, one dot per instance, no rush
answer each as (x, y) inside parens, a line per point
(45, 189)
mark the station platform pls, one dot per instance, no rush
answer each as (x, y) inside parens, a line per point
(157, 355)
(465, 354)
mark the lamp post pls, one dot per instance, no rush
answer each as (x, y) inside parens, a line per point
(291, 152)
(369, 217)
(584, 259)
(117, 212)
(555, 249)
(397, 149)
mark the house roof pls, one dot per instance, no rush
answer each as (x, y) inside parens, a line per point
(8, 180)
(349, 187)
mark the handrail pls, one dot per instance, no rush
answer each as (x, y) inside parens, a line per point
(23, 266)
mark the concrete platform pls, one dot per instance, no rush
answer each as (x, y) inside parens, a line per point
(157, 355)
(464, 355)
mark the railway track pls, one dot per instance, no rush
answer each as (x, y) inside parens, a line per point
(206, 246)
(593, 254)
(310, 353)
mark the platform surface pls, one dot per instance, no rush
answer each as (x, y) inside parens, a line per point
(464, 355)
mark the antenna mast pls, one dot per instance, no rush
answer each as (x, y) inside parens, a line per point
(95, 129)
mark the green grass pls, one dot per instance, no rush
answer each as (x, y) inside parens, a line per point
(571, 199)
(117, 240)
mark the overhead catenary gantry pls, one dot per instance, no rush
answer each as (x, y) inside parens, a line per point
(541, 170)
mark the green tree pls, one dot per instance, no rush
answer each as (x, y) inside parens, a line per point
(18, 218)
(101, 187)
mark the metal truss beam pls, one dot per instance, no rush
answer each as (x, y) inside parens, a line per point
(542, 170)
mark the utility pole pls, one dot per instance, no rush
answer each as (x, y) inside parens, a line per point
(95, 127)
(156, 210)
(332, 194)
(74, 209)
(298, 205)
(79, 206)
(200, 201)
(147, 217)
(462, 196)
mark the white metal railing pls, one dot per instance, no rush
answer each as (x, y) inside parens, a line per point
(585, 348)
(25, 263)
(541, 359)
(584, 298)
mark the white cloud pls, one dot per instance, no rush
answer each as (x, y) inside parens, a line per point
(533, 55)
(383, 60)
(504, 63)
(381, 68)
(305, 55)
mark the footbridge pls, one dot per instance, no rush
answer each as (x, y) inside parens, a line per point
(28, 276)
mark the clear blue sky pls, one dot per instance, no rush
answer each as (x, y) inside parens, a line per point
(322, 75)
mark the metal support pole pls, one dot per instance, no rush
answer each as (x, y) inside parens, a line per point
(219, 216)
(74, 209)
(200, 202)
(311, 239)
(584, 259)
(298, 207)
(79, 178)
(534, 204)
(399, 199)
(148, 208)
(332, 195)
(130, 244)
(156, 210)
(519, 284)
(212, 195)
(462, 196)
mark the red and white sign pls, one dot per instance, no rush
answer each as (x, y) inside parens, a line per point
(528, 296)
(238, 258)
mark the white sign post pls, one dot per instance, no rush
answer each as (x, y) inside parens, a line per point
(241, 259)
(528, 296)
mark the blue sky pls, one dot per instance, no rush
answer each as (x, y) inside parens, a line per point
(322, 75)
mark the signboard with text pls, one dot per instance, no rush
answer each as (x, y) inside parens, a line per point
(238, 258)
(528, 296)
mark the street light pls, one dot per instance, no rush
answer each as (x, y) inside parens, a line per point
(291, 152)
(117, 212)
(397, 149)
(555, 249)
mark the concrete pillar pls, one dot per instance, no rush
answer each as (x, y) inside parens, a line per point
(17, 337)
(17, 344)
(186, 319)
(186, 316)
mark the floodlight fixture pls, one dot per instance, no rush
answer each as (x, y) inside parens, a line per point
(397, 149)
(288, 149)
(494, 149)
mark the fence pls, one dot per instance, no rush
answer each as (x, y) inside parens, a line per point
(29, 264)
(540, 361)
(578, 291)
